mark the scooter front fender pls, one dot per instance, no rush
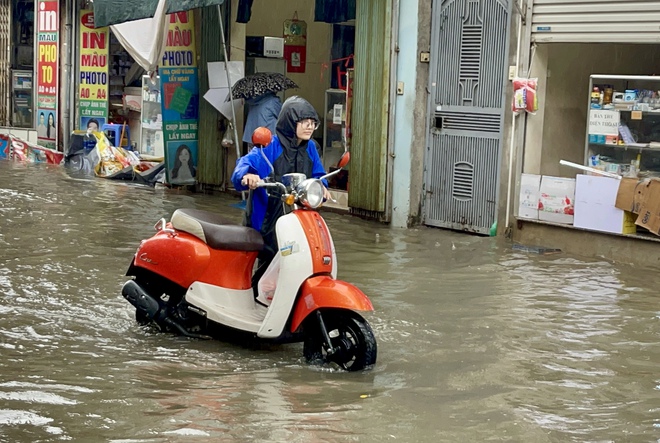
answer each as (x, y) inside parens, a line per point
(325, 292)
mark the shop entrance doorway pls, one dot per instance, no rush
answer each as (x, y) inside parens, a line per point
(469, 50)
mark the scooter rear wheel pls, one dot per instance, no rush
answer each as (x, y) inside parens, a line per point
(351, 336)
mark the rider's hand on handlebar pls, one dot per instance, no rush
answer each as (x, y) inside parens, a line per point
(327, 196)
(250, 180)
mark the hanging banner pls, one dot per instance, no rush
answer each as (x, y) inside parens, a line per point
(295, 44)
(180, 100)
(93, 74)
(47, 15)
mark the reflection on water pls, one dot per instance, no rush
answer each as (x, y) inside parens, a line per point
(476, 341)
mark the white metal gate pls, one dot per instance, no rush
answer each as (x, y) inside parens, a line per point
(469, 51)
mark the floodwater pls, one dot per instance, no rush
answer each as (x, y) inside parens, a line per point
(477, 342)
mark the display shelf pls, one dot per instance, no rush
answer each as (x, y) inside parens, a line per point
(624, 147)
(622, 122)
(22, 99)
(334, 136)
(151, 133)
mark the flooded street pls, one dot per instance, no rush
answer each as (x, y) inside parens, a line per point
(476, 341)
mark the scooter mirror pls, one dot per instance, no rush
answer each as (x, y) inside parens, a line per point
(261, 137)
(344, 159)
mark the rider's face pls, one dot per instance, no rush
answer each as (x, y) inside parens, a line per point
(305, 129)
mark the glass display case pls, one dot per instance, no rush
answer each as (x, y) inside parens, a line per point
(151, 137)
(22, 114)
(334, 127)
(623, 121)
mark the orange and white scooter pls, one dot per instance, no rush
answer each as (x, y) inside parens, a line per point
(195, 273)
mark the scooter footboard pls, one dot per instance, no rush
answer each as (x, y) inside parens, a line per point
(326, 292)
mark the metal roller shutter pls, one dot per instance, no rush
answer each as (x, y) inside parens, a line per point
(370, 116)
(597, 21)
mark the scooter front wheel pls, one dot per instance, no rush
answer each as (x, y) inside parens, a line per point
(352, 342)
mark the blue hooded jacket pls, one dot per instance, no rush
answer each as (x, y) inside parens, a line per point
(283, 153)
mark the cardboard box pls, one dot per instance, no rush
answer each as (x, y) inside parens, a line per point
(630, 194)
(594, 206)
(649, 212)
(528, 206)
(556, 199)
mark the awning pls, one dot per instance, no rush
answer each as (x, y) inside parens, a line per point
(111, 12)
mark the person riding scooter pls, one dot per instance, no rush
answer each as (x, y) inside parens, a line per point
(291, 150)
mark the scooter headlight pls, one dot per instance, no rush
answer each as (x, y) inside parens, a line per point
(310, 193)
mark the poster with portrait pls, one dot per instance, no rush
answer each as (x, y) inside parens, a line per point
(182, 161)
(93, 123)
(180, 100)
(47, 71)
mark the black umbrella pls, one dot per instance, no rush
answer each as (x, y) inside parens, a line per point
(261, 83)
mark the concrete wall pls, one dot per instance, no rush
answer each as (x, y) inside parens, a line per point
(268, 19)
(509, 161)
(420, 117)
(558, 130)
(407, 63)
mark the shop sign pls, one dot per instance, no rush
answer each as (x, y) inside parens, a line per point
(180, 100)
(604, 122)
(93, 73)
(48, 20)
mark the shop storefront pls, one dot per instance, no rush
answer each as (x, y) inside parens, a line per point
(593, 141)
(339, 57)
(17, 67)
(66, 74)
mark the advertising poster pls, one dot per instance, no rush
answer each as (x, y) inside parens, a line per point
(93, 74)
(47, 18)
(180, 100)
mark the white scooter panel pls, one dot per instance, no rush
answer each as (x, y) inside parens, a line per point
(295, 267)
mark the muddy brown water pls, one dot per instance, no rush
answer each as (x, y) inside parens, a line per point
(477, 342)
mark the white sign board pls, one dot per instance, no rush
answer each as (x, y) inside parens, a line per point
(604, 122)
(218, 73)
(218, 97)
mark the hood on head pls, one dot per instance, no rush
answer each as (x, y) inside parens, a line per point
(293, 110)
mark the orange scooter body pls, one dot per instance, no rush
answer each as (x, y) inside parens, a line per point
(323, 291)
(184, 259)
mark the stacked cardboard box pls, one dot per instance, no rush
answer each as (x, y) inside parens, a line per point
(641, 197)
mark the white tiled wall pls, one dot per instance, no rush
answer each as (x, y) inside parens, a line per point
(29, 135)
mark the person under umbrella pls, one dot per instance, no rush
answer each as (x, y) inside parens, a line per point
(263, 110)
(259, 92)
(261, 83)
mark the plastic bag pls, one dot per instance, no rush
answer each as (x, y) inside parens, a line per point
(228, 136)
(525, 97)
(112, 160)
(268, 282)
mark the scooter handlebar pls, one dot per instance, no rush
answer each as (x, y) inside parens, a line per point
(276, 185)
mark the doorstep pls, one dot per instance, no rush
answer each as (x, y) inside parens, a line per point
(631, 248)
(645, 237)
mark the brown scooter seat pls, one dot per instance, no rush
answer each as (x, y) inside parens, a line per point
(216, 231)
